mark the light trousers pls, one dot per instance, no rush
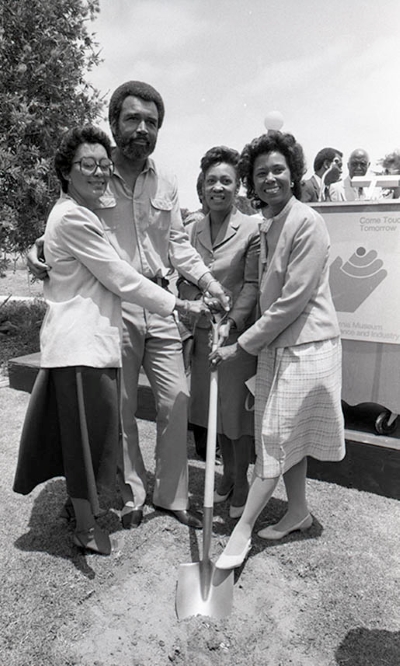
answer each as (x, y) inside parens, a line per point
(154, 342)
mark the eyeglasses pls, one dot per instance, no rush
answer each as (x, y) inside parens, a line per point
(356, 162)
(88, 166)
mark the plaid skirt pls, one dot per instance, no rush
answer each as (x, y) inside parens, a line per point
(298, 409)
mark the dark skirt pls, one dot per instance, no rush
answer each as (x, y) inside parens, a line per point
(51, 440)
(234, 419)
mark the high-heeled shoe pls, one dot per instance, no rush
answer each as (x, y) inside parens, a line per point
(222, 498)
(67, 512)
(132, 518)
(273, 534)
(233, 561)
(236, 511)
(94, 539)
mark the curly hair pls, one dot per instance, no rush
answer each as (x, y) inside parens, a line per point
(70, 143)
(135, 89)
(280, 142)
(392, 161)
(220, 154)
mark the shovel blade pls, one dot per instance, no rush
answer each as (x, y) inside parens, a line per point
(204, 590)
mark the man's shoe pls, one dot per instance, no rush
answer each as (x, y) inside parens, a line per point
(186, 517)
(132, 519)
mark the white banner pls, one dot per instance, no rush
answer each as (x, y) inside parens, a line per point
(365, 268)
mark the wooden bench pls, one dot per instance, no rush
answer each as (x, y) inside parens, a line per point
(372, 461)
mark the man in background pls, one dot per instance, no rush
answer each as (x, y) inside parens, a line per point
(357, 165)
(327, 170)
(201, 212)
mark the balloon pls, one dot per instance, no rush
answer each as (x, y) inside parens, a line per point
(273, 120)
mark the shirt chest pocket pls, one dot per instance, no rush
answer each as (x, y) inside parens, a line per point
(160, 212)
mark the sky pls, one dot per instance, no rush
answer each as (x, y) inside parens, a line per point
(332, 69)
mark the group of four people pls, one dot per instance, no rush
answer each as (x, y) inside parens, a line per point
(114, 237)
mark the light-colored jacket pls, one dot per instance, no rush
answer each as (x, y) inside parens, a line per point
(87, 281)
(343, 191)
(145, 226)
(295, 300)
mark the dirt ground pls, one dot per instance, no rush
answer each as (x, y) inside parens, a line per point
(326, 597)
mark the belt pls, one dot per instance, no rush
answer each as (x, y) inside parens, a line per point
(161, 281)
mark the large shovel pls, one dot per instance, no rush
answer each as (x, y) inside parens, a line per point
(202, 589)
(87, 456)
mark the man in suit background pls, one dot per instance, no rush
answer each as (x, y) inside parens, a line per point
(357, 165)
(327, 170)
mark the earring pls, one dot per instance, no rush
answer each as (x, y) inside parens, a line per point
(292, 184)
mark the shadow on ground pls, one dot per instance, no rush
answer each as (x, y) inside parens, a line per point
(51, 534)
(369, 647)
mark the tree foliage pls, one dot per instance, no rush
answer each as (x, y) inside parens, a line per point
(46, 50)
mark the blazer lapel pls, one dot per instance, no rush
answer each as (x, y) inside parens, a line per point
(316, 187)
(203, 233)
(228, 229)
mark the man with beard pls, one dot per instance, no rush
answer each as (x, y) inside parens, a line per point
(141, 217)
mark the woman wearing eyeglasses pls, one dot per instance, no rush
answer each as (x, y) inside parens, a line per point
(72, 424)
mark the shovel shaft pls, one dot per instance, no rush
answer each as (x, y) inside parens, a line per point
(87, 456)
(211, 441)
(207, 532)
(211, 426)
(202, 589)
(208, 504)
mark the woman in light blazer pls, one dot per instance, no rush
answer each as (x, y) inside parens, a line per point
(228, 242)
(72, 425)
(296, 339)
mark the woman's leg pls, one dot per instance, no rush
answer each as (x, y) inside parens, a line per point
(228, 476)
(295, 484)
(259, 494)
(200, 440)
(242, 448)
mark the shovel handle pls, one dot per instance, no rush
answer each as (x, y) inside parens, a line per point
(87, 456)
(212, 423)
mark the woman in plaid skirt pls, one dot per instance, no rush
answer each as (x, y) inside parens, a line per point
(296, 339)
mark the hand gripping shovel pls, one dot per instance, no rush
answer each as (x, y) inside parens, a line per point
(202, 589)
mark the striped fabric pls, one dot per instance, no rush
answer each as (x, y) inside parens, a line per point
(298, 406)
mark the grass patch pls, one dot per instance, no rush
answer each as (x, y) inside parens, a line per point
(20, 323)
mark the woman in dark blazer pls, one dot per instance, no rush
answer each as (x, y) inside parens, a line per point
(228, 243)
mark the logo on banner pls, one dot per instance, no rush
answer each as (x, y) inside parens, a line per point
(355, 280)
